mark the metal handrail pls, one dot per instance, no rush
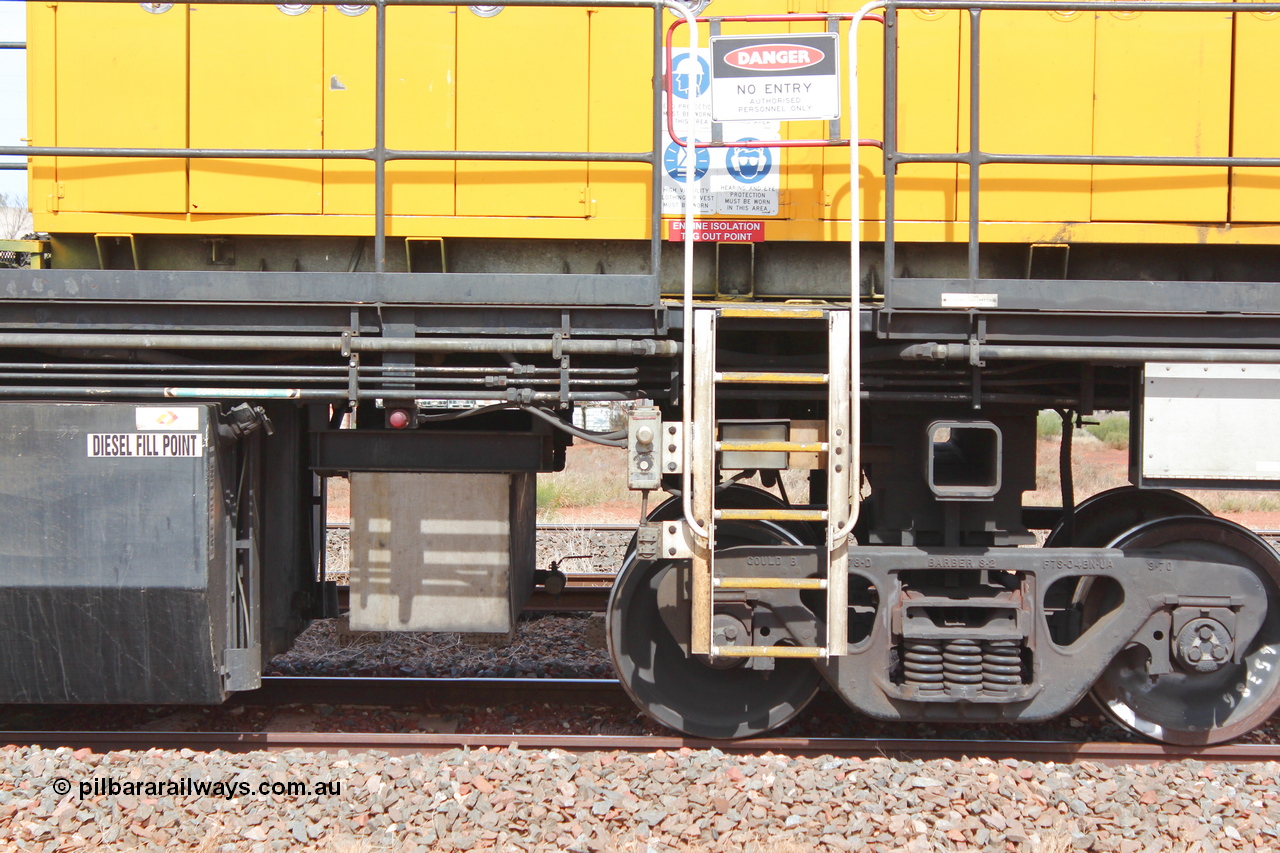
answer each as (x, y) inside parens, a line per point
(380, 154)
(975, 157)
(842, 531)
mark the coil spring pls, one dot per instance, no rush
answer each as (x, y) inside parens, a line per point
(962, 663)
(922, 663)
(1001, 665)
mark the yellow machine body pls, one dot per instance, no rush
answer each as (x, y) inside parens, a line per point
(210, 76)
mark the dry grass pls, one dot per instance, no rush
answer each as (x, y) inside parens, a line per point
(593, 475)
(1090, 473)
(1097, 466)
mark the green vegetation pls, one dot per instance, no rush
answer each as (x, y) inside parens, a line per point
(1112, 430)
(1048, 424)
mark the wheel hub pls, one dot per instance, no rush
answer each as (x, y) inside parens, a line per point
(728, 630)
(1204, 645)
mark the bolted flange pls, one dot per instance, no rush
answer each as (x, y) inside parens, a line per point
(728, 630)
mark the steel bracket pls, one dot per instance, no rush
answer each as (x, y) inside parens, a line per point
(677, 540)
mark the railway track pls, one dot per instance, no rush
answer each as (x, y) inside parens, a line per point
(584, 592)
(500, 692)
(588, 592)
(865, 748)
(281, 690)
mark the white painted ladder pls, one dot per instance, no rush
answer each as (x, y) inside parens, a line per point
(841, 479)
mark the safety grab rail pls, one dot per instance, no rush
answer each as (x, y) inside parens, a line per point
(692, 193)
(380, 154)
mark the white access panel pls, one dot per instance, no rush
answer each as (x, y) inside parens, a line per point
(1211, 422)
(440, 552)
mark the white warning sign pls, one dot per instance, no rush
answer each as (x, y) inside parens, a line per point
(143, 444)
(733, 181)
(788, 77)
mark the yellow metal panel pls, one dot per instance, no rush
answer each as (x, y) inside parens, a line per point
(1255, 193)
(41, 108)
(256, 76)
(1036, 98)
(928, 92)
(621, 56)
(522, 86)
(1162, 87)
(420, 107)
(804, 177)
(128, 89)
(836, 189)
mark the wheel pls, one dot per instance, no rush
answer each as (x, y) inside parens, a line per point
(1199, 708)
(1100, 519)
(688, 693)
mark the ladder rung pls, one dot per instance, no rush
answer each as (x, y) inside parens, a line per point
(786, 312)
(771, 378)
(770, 583)
(787, 446)
(771, 514)
(768, 651)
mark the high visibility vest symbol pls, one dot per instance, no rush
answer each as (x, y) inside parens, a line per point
(673, 160)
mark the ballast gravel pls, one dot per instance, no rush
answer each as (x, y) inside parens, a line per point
(542, 646)
(512, 799)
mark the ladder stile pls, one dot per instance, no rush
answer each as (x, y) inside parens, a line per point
(701, 396)
(841, 478)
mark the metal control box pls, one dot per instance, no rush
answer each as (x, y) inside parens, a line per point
(644, 448)
(117, 561)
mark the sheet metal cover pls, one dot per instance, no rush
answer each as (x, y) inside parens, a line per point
(1211, 422)
(106, 563)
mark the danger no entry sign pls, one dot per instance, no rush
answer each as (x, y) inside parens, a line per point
(783, 77)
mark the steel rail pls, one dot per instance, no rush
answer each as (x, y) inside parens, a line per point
(543, 527)
(347, 690)
(903, 749)
(579, 596)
